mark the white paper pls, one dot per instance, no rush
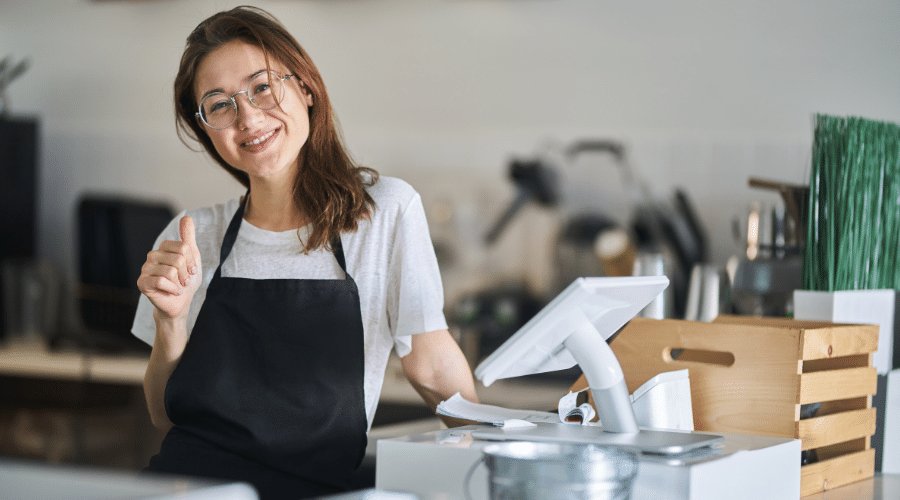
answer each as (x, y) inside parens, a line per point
(515, 423)
(569, 408)
(458, 407)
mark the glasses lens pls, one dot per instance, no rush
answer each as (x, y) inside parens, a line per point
(266, 90)
(217, 110)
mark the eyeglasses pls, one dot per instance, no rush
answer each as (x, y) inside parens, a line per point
(266, 90)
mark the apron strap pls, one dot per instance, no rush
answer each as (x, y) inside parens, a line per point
(232, 232)
(338, 249)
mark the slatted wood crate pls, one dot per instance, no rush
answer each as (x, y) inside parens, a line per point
(756, 375)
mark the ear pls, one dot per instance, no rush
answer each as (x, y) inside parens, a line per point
(200, 124)
(306, 93)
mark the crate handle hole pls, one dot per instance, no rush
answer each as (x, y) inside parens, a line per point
(681, 354)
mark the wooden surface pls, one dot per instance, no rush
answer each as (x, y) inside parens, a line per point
(757, 393)
(838, 428)
(34, 360)
(878, 487)
(833, 342)
(837, 384)
(835, 472)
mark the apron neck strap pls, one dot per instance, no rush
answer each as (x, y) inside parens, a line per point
(231, 236)
(338, 249)
(232, 231)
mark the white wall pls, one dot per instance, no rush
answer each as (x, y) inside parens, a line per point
(444, 92)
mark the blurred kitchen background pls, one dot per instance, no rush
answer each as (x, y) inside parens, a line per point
(549, 139)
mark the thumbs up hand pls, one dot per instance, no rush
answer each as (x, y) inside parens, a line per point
(173, 273)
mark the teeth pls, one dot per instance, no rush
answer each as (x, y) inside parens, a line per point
(260, 139)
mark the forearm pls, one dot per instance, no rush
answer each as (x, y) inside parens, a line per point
(437, 370)
(171, 338)
(444, 382)
(441, 389)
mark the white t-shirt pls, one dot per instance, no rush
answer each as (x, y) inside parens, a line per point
(390, 257)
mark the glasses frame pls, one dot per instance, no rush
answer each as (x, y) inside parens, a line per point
(250, 99)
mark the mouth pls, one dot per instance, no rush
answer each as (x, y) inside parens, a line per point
(260, 142)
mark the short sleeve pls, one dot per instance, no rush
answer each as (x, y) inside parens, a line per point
(144, 327)
(415, 299)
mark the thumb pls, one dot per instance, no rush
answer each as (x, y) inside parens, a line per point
(188, 235)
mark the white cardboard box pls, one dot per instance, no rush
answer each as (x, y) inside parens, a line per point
(433, 465)
(853, 306)
(891, 454)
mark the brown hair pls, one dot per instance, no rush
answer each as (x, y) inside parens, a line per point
(330, 187)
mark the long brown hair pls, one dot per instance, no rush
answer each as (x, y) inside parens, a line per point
(330, 187)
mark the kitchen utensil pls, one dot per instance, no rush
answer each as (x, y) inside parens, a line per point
(31, 299)
(615, 251)
(655, 264)
(707, 293)
(765, 287)
(795, 202)
(534, 181)
(672, 226)
(574, 248)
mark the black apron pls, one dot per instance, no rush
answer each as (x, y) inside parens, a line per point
(269, 389)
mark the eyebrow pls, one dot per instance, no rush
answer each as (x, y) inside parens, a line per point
(220, 90)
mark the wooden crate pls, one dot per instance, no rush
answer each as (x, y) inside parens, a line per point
(753, 375)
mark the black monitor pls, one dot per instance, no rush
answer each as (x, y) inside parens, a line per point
(114, 235)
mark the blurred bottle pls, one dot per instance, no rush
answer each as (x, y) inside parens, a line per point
(615, 251)
(655, 264)
(708, 293)
(31, 300)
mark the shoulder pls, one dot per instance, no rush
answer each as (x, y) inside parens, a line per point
(211, 221)
(213, 215)
(391, 194)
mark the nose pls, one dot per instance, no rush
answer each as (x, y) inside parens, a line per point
(247, 114)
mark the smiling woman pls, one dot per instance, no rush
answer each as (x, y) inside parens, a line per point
(229, 48)
(268, 368)
(259, 136)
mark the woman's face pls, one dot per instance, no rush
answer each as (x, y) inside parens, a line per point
(263, 143)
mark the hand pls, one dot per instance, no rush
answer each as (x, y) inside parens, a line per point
(173, 273)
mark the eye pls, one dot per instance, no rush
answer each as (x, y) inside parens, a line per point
(219, 106)
(216, 104)
(261, 88)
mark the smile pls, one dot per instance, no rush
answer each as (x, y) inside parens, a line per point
(260, 141)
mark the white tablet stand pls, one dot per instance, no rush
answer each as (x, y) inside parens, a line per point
(573, 328)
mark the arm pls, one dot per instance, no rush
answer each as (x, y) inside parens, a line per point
(171, 338)
(169, 278)
(437, 369)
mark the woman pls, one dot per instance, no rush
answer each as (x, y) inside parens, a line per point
(272, 317)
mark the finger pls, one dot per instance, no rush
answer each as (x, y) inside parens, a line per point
(180, 248)
(175, 260)
(150, 284)
(164, 271)
(175, 246)
(189, 236)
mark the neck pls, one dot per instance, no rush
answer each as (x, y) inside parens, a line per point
(271, 206)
